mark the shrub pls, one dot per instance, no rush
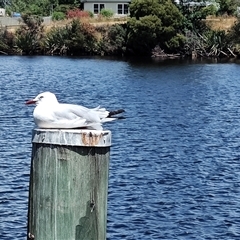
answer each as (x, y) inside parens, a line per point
(77, 13)
(29, 35)
(62, 8)
(83, 38)
(91, 15)
(152, 23)
(55, 41)
(6, 41)
(75, 38)
(227, 7)
(144, 34)
(234, 32)
(113, 41)
(58, 16)
(106, 13)
(209, 10)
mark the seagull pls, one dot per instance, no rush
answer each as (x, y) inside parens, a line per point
(49, 113)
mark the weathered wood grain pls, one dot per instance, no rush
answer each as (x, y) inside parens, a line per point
(68, 191)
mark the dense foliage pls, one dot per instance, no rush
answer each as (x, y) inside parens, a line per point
(106, 13)
(47, 7)
(227, 7)
(6, 42)
(29, 35)
(152, 23)
(154, 27)
(77, 13)
(113, 40)
(76, 38)
(32, 7)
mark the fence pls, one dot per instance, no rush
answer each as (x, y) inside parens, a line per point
(15, 21)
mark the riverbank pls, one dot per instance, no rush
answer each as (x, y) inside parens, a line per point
(215, 23)
(13, 23)
(109, 37)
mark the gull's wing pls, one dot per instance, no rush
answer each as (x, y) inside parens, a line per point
(71, 112)
(66, 116)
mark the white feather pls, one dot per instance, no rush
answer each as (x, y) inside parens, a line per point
(49, 113)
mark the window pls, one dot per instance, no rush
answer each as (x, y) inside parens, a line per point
(122, 8)
(98, 7)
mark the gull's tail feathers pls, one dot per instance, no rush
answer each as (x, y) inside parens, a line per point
(112, 114)
(107, 116)
(102, 112)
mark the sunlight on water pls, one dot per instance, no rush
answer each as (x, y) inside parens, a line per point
(174, 170)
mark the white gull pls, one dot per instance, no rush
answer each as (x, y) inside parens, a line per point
(49, 113)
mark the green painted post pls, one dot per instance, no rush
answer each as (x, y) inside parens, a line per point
(68, 184)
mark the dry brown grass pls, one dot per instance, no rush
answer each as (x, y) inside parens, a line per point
(215, 23)
(220, 23)
(94, 21)
(97, 21)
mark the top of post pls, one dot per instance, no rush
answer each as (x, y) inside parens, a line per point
(72, 137)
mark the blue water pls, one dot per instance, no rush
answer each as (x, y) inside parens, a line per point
(175, 161)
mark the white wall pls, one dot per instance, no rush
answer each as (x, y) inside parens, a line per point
(2, 12)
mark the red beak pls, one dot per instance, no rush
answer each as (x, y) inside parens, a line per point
(30, 102)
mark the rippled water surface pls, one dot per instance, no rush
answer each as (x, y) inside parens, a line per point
(175, 161)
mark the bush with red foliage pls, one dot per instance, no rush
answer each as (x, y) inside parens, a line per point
(77, 13)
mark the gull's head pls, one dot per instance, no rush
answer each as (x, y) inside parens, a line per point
(43, 98)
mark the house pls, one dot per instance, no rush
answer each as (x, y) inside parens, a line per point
(2, 12)
(119, 7)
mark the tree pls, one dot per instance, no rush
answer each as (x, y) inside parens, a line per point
(6, 41)
(141, 8)
(194, 15)
(143, 34)
(32, 7)
(4, 3)
(82, 38)
(234, 35)
(113, 41)
(154, 22)
(29, 35)
(228, 7)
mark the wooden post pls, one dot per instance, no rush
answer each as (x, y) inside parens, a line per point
(68, 184)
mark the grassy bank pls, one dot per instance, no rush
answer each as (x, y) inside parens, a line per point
(220, 23)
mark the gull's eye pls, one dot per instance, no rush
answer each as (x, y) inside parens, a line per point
(41, 97)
